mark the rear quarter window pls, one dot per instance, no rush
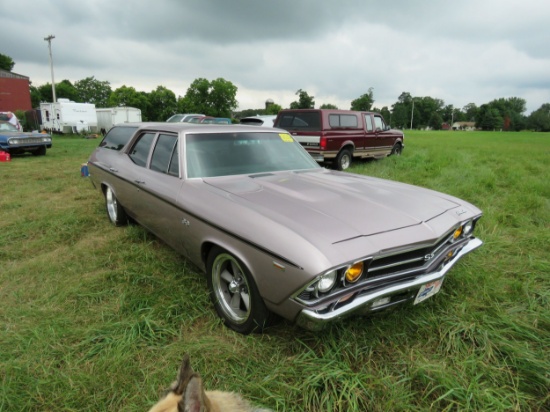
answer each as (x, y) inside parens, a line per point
(117, 137)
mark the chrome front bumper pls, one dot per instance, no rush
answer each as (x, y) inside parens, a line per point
(398, 294)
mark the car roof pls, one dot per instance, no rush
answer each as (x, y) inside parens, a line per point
(194, 127)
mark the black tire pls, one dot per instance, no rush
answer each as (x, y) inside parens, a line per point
(344, 159)
(234, 293)
(115, 212)
(396, 150)
(41, 151)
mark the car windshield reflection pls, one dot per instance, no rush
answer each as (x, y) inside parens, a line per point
(225, 154)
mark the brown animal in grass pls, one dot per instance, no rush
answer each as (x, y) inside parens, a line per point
(188, 395)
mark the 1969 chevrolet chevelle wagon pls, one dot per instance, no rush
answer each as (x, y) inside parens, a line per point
(274, 232)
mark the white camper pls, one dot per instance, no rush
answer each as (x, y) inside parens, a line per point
(107, 118)
(66, 116)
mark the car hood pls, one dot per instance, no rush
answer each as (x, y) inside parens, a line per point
(335, 206)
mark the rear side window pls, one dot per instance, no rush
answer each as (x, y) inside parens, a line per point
(140, 151)
(165, 155)
(117, 137)
(343, 120)
(300, 120)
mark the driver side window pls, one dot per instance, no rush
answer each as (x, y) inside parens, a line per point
(380, 124)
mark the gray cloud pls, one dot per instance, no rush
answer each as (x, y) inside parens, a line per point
(459, 52)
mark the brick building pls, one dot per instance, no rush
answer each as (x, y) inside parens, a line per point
(15, 92)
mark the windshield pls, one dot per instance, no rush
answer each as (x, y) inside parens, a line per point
(224, 154)
(8, 127)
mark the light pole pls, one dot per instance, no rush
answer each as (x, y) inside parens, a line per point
(49, 40)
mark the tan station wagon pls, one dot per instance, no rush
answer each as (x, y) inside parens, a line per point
(275, 233)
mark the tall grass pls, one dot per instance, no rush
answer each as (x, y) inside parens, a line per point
(95, 317)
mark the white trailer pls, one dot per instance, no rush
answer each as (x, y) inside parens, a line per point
(107, 118)
(66, 116)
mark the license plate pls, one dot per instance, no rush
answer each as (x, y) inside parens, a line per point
(428, 290)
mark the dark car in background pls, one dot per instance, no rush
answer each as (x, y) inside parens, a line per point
(15, 142)
(274, 232)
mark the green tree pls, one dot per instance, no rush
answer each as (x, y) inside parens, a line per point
(162, 104)
(539, 120)
(94, 91)
(6, 62)
(36, 96)
(364, 102)
(305, 101)
(401, 111)
(511, 110)
(489, 118)
(436, 121)
(216, 98)
(328, 106)
(386, 114)
(196, 97)
(273, 108)
(222, 98)
(425, 108)
(63, 90)
(251, 112)
(470, 112)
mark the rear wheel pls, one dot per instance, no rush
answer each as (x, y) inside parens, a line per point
(344, 159)
(234, 293)
(115, 211)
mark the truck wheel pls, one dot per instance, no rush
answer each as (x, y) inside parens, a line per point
(397, 150)
(343, 160)
(115, 211)
(234, 293)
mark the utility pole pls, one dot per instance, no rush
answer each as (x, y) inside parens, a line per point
(412, 114)
(49, 40)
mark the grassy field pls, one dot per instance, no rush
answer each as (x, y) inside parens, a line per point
(97, 318)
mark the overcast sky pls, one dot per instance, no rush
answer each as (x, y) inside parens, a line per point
(465, 51)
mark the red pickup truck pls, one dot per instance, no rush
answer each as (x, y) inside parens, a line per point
(338, 136)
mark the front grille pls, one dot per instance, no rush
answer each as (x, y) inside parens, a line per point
(392, 268)
(26, 141)
(409, 260)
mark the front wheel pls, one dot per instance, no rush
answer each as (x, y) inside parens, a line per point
(397, 150)
(41, 151)
(234, 293)
(115, 211)
(344, 159)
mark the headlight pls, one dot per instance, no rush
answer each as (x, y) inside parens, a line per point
(457, 233)
(467, 228)
(326, 282)
(46, 139)
(354, 272)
